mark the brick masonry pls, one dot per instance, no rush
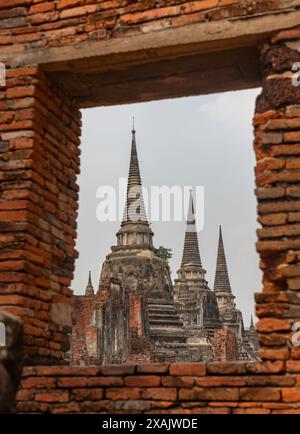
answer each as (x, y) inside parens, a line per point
(31, 24)
(162, 388)
(39, 160)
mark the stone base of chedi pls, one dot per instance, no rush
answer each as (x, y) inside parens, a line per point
(137, 315)
(11, 357)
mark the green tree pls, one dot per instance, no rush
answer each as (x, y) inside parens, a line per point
(163, 253)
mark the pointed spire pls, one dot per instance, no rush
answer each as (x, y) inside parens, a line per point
(251, 324)
(134, 209)
(89, 290)
(222, 283)
(191, 254)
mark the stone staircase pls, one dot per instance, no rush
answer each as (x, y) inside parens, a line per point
(164, 320)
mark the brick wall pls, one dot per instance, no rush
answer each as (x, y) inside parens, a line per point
(161, 388)
(31, 24)
(39, 160)
(276, 144)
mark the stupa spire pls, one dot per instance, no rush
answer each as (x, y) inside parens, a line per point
(191, 254)
(89, 290)
(222, 283)
(134, 208)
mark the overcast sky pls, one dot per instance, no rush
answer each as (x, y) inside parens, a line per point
(204, 141)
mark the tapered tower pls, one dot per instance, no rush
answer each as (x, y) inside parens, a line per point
(196, 303)
(89, 290)
(222, 287)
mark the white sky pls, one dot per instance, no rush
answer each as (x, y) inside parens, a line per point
(204, 141)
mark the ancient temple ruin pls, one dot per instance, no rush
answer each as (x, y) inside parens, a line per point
(137, 314)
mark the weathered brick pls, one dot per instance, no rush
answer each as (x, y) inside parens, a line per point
(87, 394)
(142, 381)
(55, 396)
(266, 367)
(259, 394)
(187, 369)
(38, 383)
(124, 393)
(202, 394)
(267, 325)
(160, 393)
(274, 354)
(153, 368)
(290, 394)
(226, 368)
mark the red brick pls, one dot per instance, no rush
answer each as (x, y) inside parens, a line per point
(293, 365)
(199, 5)
(226, 368)
(38, 383)
(211, 394)
(117, 370)
(214, 381)
(142, 381)
(87, 394)
(187, 369)
(52, 397)
(259, 394)
(291, 394)
(90, 381)
(149, 15)
(76, 12)
(11, 3)
(178, 381)
(124, 393)
(266, 325)
(160, 393)
(153, 368)
(64, 4)
(42, 7)
(274, 354)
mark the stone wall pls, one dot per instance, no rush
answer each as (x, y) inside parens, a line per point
(162, 388)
